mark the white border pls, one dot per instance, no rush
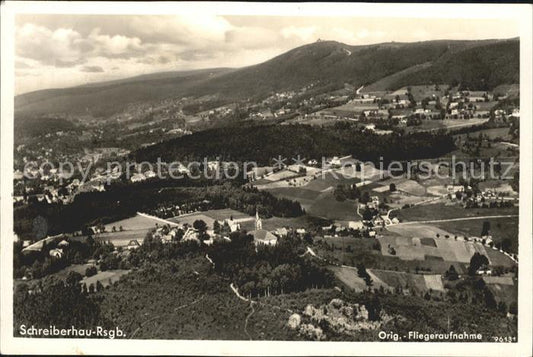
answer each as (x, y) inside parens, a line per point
(521, 13)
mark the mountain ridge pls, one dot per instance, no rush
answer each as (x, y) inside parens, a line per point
(479, 64)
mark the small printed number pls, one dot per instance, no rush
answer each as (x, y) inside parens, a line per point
(504, 338)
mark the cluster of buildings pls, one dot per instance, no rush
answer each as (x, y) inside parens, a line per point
(487, 198)
(171, 232)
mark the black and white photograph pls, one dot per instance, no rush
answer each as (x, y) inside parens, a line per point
(265, 179)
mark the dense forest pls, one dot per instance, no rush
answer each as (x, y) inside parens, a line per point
(175, 292)
(265, 270)
(262, 143)
(30, 126)
(478, 68)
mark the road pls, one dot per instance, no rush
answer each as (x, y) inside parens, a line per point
(457, 219)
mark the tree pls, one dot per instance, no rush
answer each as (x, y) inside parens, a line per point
(216, 227)
(502, 307)
(485, 230)
(451, 273)
(308, 238)
(392, 187)
(476, 262)
(340, 193)
(490, 301)
(367, 214)
(73, 278)
(362, 273)
(90, 271)
(513, 308)
(515, 181)
(374, 309)
(365, 197)
(200, 225)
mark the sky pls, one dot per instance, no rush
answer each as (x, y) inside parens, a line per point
(55, 51)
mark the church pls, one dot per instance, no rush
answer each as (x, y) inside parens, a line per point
(262, 236)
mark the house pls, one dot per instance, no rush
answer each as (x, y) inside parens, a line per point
(484, 270)
(133, 244)
(233, 225)
(137, 178)
(63, 243)
(150, 174)
(282, 232)
(356, 225)
(262, 236)
(370, 127)
(56, 253)
(342, 161)
(369, 113)
(378, 221)
(301, 231)
(190, 234)
(455, 188)
(372, 234)
(400, 117)
(258, 172)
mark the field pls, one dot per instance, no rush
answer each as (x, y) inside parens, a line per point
(420, 92)
(348, 276)
(492, 133)
(440, 211)
(247, 222)
(433, 125)
(504, 288)
(78, 268)
(134, 228)
(365, 251)
(313, 120)
(417, 283)
(420, 242)
(500, 229)
(351, 108)
(222, 214)
(326, 206)
(318, 200)
(389, 280)
(210, 216)
(507, 89)
(134, 223)
(273, 223)
(305, 196)
(106, 278)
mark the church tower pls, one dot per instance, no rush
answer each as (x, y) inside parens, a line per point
(258, 222)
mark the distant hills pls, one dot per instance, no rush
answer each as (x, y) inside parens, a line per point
(479, 65)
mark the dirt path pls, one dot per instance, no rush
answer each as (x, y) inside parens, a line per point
(246, 321)
(457, 219)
